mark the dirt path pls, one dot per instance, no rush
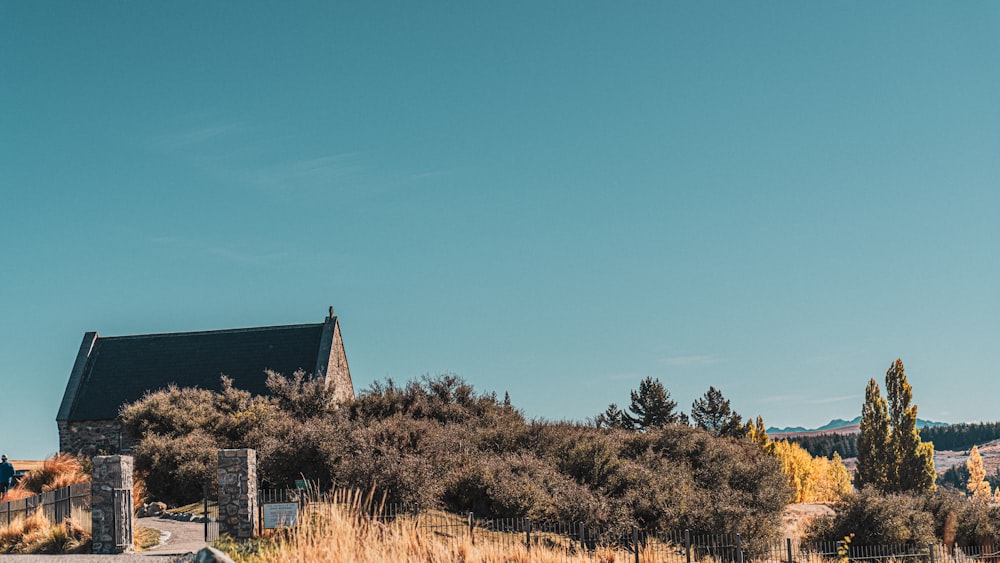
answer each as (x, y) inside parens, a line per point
(797, 517)
(182, 537)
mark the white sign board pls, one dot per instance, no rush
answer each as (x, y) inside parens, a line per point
(280, 514)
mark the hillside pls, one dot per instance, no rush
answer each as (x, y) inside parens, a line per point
(945, 459)
(838, 426)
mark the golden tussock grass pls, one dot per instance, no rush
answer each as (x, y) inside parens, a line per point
(334, 532)
(37, 534)
(17, 493)
(61, 470)
(139, 491)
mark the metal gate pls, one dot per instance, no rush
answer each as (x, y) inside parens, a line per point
(210, 511)
(122, 518)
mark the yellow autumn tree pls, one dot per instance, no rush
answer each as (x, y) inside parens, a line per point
(977, 486)
(812, 479)
(836, 481)
(796, 464)
(756, 433)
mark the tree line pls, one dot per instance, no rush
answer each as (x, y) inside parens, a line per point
(651, 407)
(953, 437)
(810, 478)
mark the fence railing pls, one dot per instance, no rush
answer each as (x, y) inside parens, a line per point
(631, 544)
(58, 505)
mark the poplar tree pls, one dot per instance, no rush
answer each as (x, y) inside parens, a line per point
(891, 457)
(914, 467)
(873, 442)
(757, 433)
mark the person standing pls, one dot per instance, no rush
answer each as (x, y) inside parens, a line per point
(6, 474)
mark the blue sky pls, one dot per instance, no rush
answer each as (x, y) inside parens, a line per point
(554, 199)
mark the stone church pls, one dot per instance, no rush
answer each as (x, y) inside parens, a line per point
(111, 371)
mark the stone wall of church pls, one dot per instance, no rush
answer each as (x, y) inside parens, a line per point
(338, 375)
(93, 437)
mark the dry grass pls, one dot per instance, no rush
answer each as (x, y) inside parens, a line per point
(17, 493)
(146, 538)
(334, 532)
(139, 492)
(61, 470)
(37, 534)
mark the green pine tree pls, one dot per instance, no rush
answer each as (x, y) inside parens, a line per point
(613, 417)
(651, 406)
(712, 412)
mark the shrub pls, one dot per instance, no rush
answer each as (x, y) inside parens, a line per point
(301, 397)
(736, 487)
(945, 508)
(311, 449)
(978, 524)
(438, 442)
(877, 518)
(398, 456)
(655, 492)
(179, 432)
(177, 468)
(172, 412)
(521, 485)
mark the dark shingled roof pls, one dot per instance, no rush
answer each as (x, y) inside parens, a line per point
(121, 369)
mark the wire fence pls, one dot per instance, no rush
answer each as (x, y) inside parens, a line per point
(58, 506)
(628, 544)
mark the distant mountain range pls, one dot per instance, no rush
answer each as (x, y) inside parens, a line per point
(841, 423)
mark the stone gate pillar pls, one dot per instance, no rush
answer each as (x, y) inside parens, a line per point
(238, 493)
(111, 504)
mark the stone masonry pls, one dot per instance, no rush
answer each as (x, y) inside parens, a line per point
(93, 437)
(111, 504)
(334, 370)
(238, 493)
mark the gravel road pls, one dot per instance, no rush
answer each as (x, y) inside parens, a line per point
(182, 537)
